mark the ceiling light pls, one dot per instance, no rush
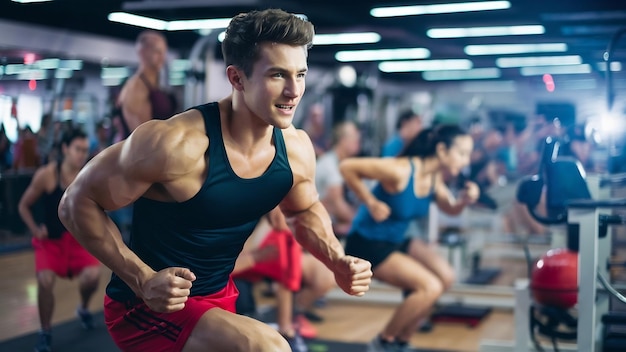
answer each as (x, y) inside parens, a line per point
(332, 39)
(382, 54)
(181, 25)
(29, 1)
(477, 73)
(505, 62)
(503, 49)
(346, 38)
(139, 21)
(555, 70)
(424, 65)
(615, 66)
(484, 31)
(439, 8)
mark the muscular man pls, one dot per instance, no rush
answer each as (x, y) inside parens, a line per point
(141, 98)
(57, 254)
(200, 182)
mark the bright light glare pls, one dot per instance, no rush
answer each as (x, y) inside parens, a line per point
(484, 31)
(393, 11)
(139, 21)
(382, 54)
(346, 38)
(500, 49)
(425, 65)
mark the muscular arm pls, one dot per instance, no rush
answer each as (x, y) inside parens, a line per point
(135, 102)
(34, 191)
(384, 170)
(313, 229)
(113, 179)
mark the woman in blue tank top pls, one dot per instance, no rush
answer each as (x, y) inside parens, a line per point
(405, 187)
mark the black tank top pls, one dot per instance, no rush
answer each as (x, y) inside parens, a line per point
(51, 205)
(207, 232)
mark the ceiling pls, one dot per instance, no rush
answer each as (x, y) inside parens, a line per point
(586, 26)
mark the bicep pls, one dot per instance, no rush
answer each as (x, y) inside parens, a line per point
(111, 180)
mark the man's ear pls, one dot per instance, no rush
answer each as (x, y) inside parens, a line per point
(235, 77)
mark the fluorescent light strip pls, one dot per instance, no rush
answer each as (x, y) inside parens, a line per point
(332, 39)
(615, 66)
(503, 49)
(424, 65)
(346, 38)
(555, 70)
(395, 11)
(382, 54)
(505, 62)
(477, 73)
(139, 21)
(29, 1)
(484, 31)
(183, 25)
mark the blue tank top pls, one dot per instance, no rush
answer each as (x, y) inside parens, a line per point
(50, 208)
(206, 233)
(405, 206)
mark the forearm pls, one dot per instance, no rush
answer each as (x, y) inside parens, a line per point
(97, 233)
(313, 230)
(27, 218)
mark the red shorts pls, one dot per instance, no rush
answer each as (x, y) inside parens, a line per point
(286, 268)
(64, 255)
(134, 327)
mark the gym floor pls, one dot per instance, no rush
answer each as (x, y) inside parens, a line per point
(343, 321)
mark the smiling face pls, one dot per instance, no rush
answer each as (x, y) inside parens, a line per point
(277, 82)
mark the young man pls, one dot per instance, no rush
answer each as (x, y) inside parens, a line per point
(200, 182)
(57, 254)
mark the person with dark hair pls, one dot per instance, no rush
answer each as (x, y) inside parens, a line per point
(408, 125)
(405, 187)
(200, 181)
(57, 253)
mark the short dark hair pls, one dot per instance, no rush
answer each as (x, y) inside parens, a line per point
(404, 117)
(72, 134)
(246, 30)
(425, 143)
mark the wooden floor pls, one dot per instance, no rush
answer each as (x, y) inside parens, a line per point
(344, 321)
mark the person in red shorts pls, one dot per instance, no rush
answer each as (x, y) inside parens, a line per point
(57, 253)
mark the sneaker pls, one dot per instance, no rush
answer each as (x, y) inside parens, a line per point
(378, 345)
(297, 343)
(305, 328)
(44, 343)
(86, 319)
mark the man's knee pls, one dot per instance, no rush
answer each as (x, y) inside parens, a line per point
(90, 275)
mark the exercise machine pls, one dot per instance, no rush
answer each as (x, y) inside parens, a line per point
(583, 207)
